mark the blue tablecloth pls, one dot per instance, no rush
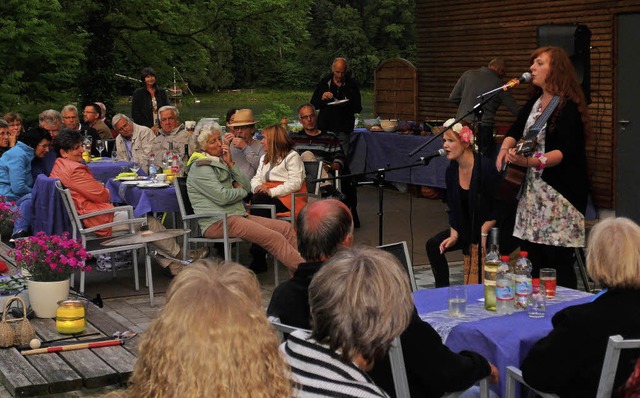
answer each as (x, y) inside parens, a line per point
(503, 339)
(144, 200)
(104, 169)
(370, 151)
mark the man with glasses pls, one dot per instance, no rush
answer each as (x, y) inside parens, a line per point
(71, 121)
(172, 132)
(92, 118)
(134, 142)
(245, 150)
(4, 137)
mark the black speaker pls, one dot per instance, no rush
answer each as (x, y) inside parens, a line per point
(576, 41)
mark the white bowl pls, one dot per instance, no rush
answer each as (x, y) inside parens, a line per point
(389, 126)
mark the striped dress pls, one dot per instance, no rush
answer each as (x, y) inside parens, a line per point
(318, 372)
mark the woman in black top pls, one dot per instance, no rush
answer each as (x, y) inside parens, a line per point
(146, 101)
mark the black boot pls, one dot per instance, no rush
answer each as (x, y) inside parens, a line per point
(259, 262)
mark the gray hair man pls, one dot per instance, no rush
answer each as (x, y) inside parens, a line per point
(51, 120)
(172, 133)
(134, 142)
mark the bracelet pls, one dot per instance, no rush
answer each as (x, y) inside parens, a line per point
(484, 235)
(543, 161)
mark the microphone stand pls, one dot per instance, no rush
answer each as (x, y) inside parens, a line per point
(379, 182)
(478, 110)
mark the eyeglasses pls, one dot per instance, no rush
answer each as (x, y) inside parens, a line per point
(308, 117)
(122, 128)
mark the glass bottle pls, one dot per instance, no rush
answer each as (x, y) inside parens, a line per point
(491, 263)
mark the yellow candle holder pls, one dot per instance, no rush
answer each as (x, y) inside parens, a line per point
(70, 317)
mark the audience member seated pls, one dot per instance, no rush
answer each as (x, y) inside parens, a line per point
(211, 339)
(15, 126)
(314, 145)
(172, 132)
(50, 120)
(360, 301)
(4, 137)
(245, 150)
(16, 180)
(326, 227)
(93, 118)
(569, 360)
(134, 141)
(89, 195)
(215, 184)
(71, 121)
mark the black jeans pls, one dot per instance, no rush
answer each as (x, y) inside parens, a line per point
(439, 264)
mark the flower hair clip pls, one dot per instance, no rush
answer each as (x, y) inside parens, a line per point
(464, 132)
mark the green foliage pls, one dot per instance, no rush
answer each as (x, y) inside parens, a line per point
(274, 115)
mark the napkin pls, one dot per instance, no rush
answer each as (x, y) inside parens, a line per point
(96, 159)
(125, 175)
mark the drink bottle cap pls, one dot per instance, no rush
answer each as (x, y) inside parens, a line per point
(504, 259)
(524, 253)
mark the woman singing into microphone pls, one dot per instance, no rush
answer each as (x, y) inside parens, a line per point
(469, 190)
(553, 199)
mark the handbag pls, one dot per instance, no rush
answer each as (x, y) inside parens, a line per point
(21, 333)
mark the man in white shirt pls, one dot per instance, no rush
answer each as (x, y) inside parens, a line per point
(172, 132)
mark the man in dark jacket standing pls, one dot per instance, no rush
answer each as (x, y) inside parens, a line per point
(337, 96)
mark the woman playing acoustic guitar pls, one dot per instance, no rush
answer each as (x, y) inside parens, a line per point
(553, 200)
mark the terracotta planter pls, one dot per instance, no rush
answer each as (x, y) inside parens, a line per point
(44, 296)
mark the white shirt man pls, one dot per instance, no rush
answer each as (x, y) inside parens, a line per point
(134, 143)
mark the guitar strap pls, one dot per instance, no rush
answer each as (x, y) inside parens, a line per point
(533, 131)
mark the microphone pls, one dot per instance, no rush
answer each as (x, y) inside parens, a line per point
(525, 78)
(439, 152)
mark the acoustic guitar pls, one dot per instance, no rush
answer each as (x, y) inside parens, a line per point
(513, 175)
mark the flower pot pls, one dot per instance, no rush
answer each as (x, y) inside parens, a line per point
(44, 296)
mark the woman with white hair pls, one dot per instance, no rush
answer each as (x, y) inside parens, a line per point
(569, 360)
(215, 184)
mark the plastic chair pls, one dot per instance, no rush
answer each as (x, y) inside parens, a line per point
(92, 242)
(400, 250)
(607, 375)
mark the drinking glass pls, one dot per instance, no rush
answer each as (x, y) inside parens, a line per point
(135, 166)
(100, 146)
(548, 278)
(457, 301)
(114, 155)
(86, 144)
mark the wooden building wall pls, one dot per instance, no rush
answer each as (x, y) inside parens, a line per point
(456, 35)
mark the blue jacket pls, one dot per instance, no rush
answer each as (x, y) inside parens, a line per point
(15, 172)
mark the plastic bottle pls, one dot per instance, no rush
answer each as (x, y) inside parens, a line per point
(537, 299)
(153, 167)
(504, 288)
(522, 280)
(491, 263)
(175, 166)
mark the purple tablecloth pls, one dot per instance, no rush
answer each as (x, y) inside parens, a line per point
(104, 169)
(372, 150)
(144, 200)
(49, 213)
(503, 339)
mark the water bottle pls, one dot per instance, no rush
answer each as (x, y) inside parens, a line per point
(504, 288)
(175, 166)
(153, 167)
(491, 262)
(537, 299)
(522, 280)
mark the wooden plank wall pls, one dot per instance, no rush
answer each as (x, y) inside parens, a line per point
(457, 35)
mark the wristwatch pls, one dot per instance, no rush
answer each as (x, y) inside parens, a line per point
(543, 161)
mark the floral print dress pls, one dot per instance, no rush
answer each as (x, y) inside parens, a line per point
(544, 216)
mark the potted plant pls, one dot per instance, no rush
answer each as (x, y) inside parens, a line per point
(48, 261)
(9, 213)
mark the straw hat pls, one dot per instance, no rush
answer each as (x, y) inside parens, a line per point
(242, 117)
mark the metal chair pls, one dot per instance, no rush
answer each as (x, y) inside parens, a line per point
(313, 171)
(92, 242)
(607, 375)
(400, 250)
(190, 221)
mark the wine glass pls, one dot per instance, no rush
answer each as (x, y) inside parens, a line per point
(86, 144)
(166, 160)
(135, 166)
(100, 146)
